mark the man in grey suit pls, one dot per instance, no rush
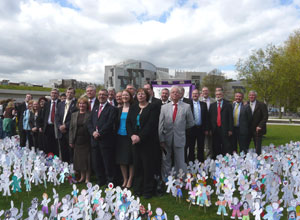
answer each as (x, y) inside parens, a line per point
(175, 117)
(242, 117)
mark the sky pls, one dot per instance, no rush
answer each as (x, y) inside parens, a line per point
(55, 39)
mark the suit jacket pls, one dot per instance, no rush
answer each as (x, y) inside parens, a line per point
(244, 119)
(204, 115)
(20, 110)
(147, 129)
(115, 102)
(33, 122)
(188, 101)
(96, 103)
(165, 103)
(156, 101)
(59, 115)
(260, 118)
(211, 101)
(174, 133)
(46, 113)
(226, 117)
(105, 124)
(73, 126)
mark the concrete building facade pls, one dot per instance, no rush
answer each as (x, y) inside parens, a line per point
(135, 72)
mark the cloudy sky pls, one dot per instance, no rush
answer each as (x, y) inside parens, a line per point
(47, 39)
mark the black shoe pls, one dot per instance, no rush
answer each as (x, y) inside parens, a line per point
(147, 196)
(138, 194)
(100, 184)
(159, 193)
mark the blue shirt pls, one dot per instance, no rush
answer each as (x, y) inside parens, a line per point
(138, 121)
(122, 129)
(221, 103)
(197, 113)
(26, 115)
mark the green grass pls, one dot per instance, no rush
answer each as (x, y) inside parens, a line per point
(31, 88)
(79, 92)
(277, 134)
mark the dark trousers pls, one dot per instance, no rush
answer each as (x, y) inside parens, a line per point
(157, 158)
(221, 142)
(240, 140)
(103, 161)
(66, 151)
(28, 137)
(257, 139)
(143, 169)
(23, 139)
(51, 144)
(195, 133)
(35, 137)
(41, 141)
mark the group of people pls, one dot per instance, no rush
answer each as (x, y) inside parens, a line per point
(132, 137)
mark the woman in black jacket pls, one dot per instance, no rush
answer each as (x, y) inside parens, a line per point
(140, 127)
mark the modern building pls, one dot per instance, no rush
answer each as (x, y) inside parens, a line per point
(194, 76)
(135, 72)
(65, 83)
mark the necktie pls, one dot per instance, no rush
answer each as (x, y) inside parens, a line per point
(236, 114)
(111, 102)
(219, 115)
(197, 114)
(90, 108)
(175, 112)
(53, 112)
(251, 105)
(100, 110)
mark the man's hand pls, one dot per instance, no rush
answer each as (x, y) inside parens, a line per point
(41, 130)
(71, 145)
(135, 139)
(96, 134)
(163, 145)
(229, 133)
(62, 129)
(34, 129)
(258, 129)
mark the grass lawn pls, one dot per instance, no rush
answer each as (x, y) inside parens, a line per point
(277, 134)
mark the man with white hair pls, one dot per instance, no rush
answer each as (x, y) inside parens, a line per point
(91, 94)
(175, 117)
(112, 97)
(259, 120)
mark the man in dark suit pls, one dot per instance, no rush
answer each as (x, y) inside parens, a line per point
(20, 111)
(183, 99)
(112, 97)
(62, 120)
(208, 138)
(152, 99)
(164, 96)
(221, 124)
(101, 127)
(91, 94)
(48, 126)
(259, 120)
(242, 118)
(198, 131)
(157, 150)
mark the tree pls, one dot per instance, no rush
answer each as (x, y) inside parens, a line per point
(274, 73)
(214, 79)
(258, 71)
